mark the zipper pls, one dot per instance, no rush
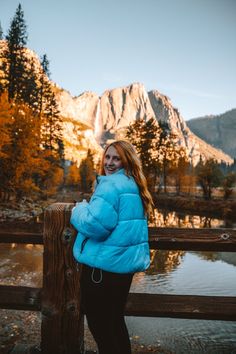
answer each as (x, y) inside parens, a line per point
(83, 244)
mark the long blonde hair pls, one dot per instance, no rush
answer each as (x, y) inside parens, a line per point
(132, 166)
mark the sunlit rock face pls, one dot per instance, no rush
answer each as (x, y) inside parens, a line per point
(90, 121)
(122, 106)
(195, 147)
(80, 130)
(109, 115)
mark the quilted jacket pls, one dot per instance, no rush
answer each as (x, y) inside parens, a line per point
(112, 228)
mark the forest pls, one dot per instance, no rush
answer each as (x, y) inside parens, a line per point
(32, 161)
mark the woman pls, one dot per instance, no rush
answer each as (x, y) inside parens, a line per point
(112, 244)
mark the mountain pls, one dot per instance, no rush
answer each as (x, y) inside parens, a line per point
(90, 121)
(78, 134)
(218, 130)
(110, 114)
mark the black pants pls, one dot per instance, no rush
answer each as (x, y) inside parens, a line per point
(104, 296)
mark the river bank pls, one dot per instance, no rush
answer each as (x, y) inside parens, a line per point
(225, 209)
(28, 211)
(18, 327)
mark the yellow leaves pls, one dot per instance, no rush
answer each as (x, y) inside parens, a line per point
(24, 166)
(73, 176)
(5, 122)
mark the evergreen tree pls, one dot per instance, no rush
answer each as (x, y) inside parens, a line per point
(228, 184)
(209, 176)
(1, 32)
(157, 148)
(49, 112)
(16, 42)
(142, 135)
(169, 152)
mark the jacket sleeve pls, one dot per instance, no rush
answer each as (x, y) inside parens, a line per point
(99, 217)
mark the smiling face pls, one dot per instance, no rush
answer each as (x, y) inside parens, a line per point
(112, 161)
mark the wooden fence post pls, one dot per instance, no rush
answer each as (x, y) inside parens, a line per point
(62, 329)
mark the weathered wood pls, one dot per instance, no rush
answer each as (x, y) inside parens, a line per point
(62, 320)
(182, 306)
(150, 305)
(20, 298)
(59, 300)
(21, 237)
(192, 239)
(160, 238)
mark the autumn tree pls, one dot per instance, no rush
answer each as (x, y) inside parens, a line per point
(5, 128)
(209, 176)
(32, 149)
(22, 159)
(73, 175)
(87, 173)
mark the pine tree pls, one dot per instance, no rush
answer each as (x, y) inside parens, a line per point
(16, 42)
(142, 135)
(209, 176)
(1, 32)
(49, 112)
(157, 148)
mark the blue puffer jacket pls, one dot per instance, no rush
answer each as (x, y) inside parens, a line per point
(112, 228)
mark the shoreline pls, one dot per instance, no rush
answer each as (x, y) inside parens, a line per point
(29, 211)
(219, 208)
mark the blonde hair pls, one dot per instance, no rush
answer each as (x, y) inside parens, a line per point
(132, 166)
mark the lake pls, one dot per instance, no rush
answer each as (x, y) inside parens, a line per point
(171, 272)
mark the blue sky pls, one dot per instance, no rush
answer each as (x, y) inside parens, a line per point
(185, 49)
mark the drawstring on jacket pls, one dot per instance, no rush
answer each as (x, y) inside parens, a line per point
(98, 281)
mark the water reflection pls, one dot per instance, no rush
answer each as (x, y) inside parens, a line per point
(21, 264)
(172, 272)
(168, 218)
(163, 262)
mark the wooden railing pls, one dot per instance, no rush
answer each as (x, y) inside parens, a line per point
(62, 327)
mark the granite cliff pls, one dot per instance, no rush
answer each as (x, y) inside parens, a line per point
(110, 114)
(90, 121)
(219, 130)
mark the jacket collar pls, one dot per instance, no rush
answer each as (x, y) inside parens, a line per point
(121, 171)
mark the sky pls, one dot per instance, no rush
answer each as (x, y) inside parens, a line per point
(185, 49)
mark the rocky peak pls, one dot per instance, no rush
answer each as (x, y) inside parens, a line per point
(110, 114)
(90, 121)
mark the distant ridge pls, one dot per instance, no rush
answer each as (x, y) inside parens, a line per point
(217, 130)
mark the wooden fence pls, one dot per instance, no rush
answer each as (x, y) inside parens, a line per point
(62, 326)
